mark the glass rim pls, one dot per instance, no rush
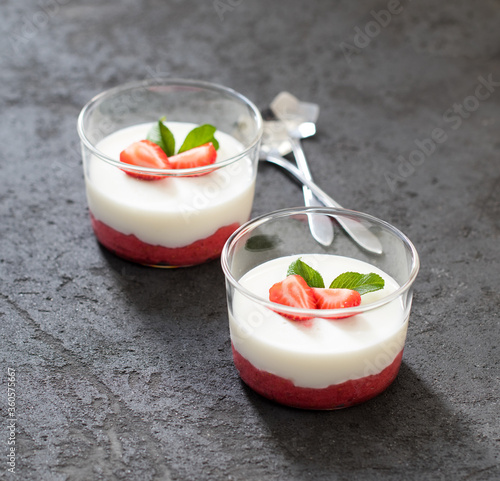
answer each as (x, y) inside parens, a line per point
(159, 82)
(325, 313)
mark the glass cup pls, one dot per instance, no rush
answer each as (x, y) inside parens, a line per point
(184, 216)
(330, 358)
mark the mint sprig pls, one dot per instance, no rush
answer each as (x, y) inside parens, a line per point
(167, 138)
(363, 283)
(161, 135)
(262, 242)
(199, 136)
(311, 276)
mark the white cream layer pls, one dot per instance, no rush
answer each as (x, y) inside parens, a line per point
(175, 211)
(328, 352)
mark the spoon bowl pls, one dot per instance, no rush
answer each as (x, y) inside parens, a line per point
(275, 138)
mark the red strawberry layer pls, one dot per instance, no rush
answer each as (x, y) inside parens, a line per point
(336, 396)
(131, 248)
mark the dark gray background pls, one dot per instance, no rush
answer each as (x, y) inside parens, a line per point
(125, 372)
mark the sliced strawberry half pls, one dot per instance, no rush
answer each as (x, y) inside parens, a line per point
(336, 299)
(293, 292)
(196, 157)
(145, 153)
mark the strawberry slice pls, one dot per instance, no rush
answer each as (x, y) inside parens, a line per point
(336, 299)
(196, 157)
(145, 154)
(293, 292)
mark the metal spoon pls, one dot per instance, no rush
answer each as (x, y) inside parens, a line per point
(358, 232)
(299, 119)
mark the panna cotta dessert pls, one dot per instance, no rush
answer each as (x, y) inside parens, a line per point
(170, 167)
(171, 220)
(312, 343)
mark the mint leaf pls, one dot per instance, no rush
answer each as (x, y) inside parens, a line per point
(312, 277)
(199, 136)
(262, 242)
(167, 138)
(160, 134)
(363, 283)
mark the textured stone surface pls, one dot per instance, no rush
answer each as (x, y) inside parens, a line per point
(120, 374)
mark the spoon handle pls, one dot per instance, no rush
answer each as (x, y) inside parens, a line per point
(320, 226)
(358, 232)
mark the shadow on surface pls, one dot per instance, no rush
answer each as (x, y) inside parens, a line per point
(404, 432)
(180, 291)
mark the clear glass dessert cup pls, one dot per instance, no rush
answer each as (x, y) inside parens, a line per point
(333, 358)
(184, 216)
